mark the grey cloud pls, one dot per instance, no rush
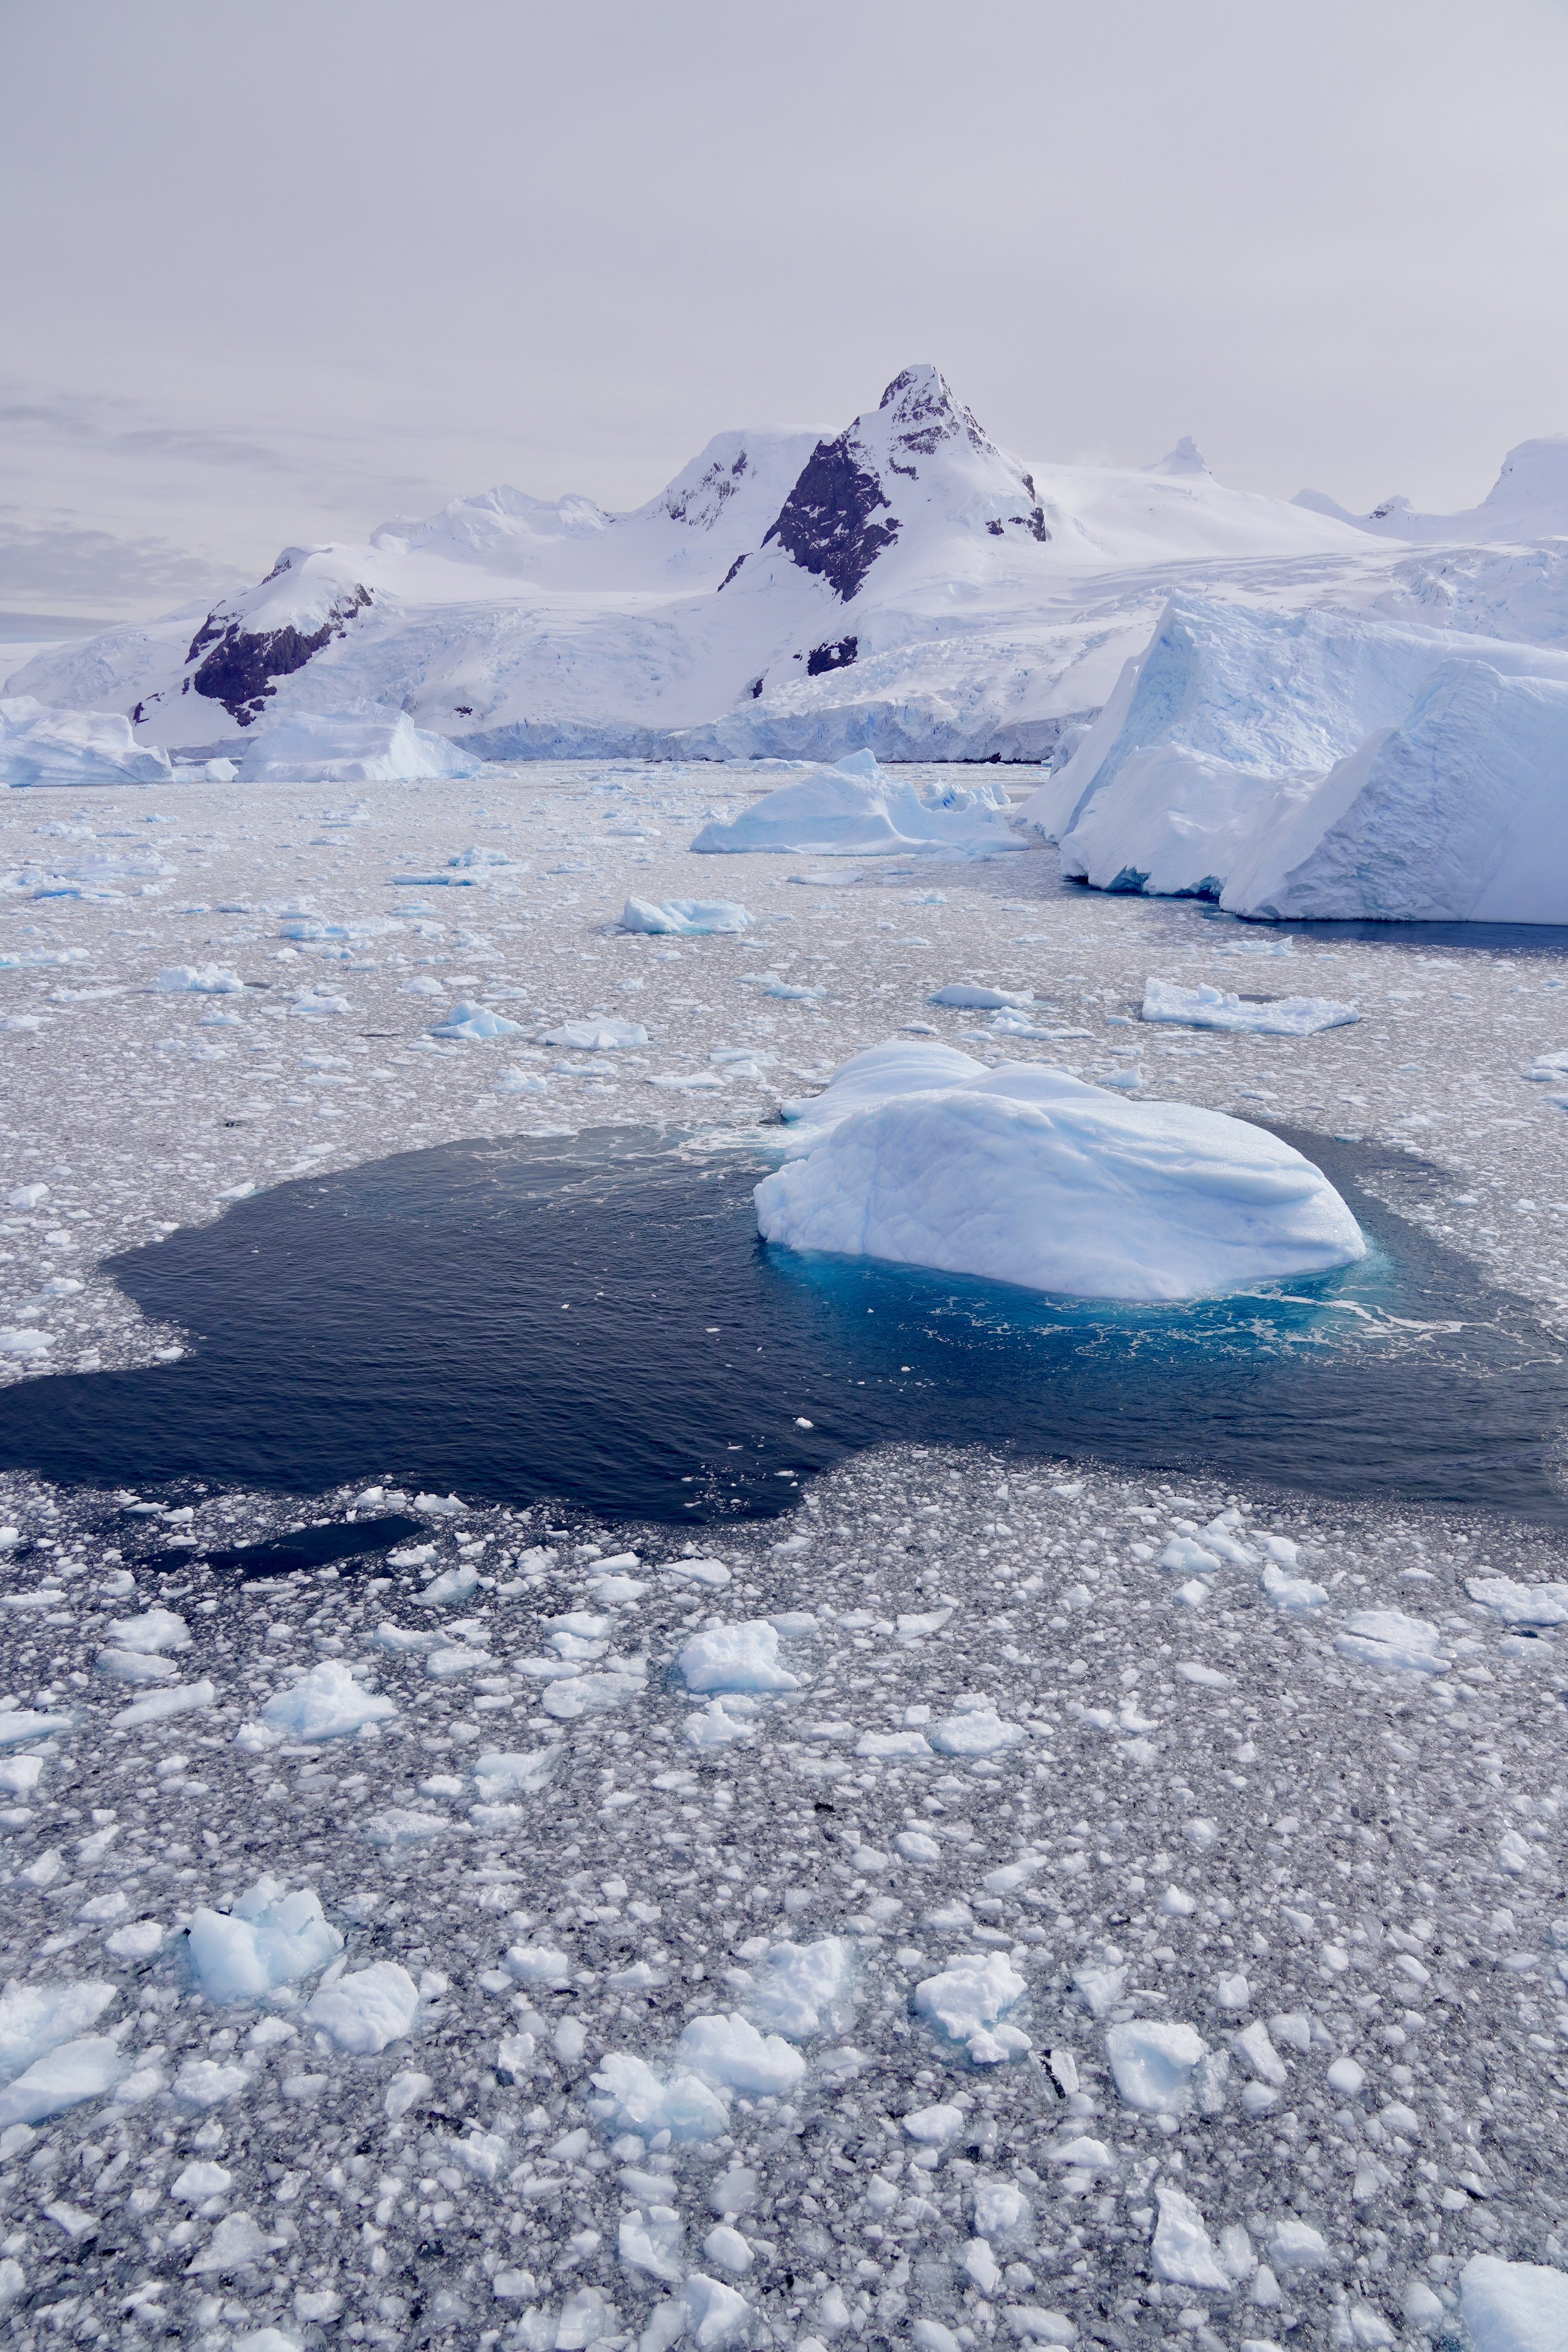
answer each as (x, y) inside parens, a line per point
(45, 566)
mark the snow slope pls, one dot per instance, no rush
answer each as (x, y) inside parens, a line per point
(1528, 501)
(904, 586)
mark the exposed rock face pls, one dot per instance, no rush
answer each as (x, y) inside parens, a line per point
(240, 669)
(849, 504)
(826, 523)
(837, 656)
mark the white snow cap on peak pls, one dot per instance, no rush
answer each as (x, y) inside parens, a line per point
(1186, 457)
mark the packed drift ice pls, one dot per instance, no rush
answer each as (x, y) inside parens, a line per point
(1026, 1174)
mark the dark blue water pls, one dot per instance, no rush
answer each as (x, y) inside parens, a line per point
(594, 1321)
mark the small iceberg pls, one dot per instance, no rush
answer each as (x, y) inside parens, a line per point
(40, 746)
(371, 745)
(685, 917)
(858, 810)
(597, 1035)
(476, 1022)
(1023, 1175)
(1219, 1008)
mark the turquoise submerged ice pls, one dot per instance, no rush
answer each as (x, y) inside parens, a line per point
(1022, 1174)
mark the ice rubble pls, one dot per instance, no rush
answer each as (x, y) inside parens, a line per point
(1320, 763)
(363, 745)
(52, 746)
(1027, 1175)
(856, 810)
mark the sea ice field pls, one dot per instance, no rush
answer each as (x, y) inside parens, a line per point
(1021, 1881)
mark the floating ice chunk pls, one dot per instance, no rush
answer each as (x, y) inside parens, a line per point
(649, 2241)
(453, 1585)
(272, 1937)
(907, 1747)
(1291, 1593)
(476, 1022)
(863, 812)
(729, 2053)
(1217, 1008)
(1026, 1175)
(1003, 2214)
(744, 1658)
(134, 1666)
(970, 998)
(1387, 1638)
(456, 1658)
(1256, 2047)
(24, 1340)
(714, 1726)
(137, 1941)
(198, 2181)
(725, 2247)
(1514, 2306)
(1520, 1604)
(1031, 2323)
(199, 979)
(1184, 2254)
(398, 1828)
(325, 1703)
(539, 1964)
(85, 2068)
(975, 1731)
(1099, 1989)
(916, 1846)
(516, 1773)
(1155, 2063)
(685, 917)
(805, 1989)
(368, 2008)
(1295, 2245)
(634, 2096)
(203, 2082)
(237, 2242)
(934, 2126)
(577, 1694)
(44, 746)
(182, 1698)
(366, 744)
(714, 2315)
(154, 1629)
(596, 1035)
(969, 2000)
(36, 2019)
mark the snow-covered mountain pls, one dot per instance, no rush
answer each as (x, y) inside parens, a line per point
(903, 585)
(1528, 501)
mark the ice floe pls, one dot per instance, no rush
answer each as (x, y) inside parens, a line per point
(858, 810)
(1216, 1008)
(685, 917)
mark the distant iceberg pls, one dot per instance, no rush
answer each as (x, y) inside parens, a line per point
(858, 810)
(40, 746)
(367, 746)
(1026, 1175)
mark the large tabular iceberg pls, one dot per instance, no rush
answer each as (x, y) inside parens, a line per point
(1242, 739)
(39, 745)
(858, 810)
(1023, 1175)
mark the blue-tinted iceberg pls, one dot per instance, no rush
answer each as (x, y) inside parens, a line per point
(1023, 1175)
(685, 917)
(364, 746)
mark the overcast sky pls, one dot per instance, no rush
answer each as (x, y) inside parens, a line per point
(277, 275)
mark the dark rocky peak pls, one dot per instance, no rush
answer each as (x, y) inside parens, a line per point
(830, 524)
(701, 503)
(922, 414)
(236, 665)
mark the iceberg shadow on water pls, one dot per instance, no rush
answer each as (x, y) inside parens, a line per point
(594, 1320)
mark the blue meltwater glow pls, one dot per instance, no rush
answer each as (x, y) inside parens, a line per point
(594, 1320)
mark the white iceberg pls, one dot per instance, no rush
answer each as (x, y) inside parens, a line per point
(805, 1989)
(1154, 2061)
(685, 917)
(729, 2053)
(475, 1024)
(742, 1657)
(1455, 815)
(969, 2002)
(1023, 1175)
(1208, 773)
(368, 2008)
(199, 979)
(1217, 1008)
(324, 1703)
(368, 745)
(1514, 2306)
(596, 1035)
(270, 1937)
(858, 810)
(40, 746)
(634, 2096)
